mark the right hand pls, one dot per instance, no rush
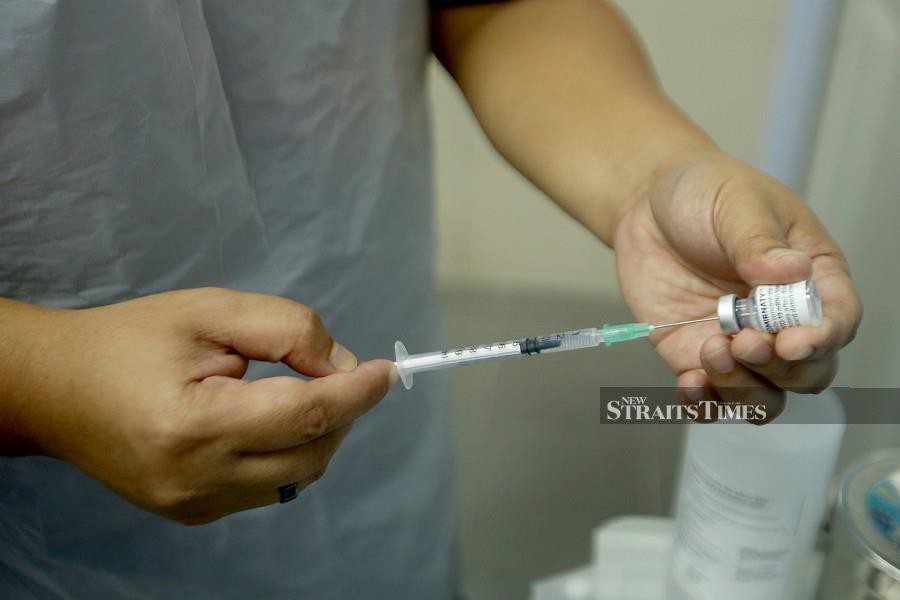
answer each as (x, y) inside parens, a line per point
(146, 396)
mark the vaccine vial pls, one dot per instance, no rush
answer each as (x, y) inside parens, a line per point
(772, 308)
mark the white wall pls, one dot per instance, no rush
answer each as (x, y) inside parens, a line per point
(715, 59)
(855, 181)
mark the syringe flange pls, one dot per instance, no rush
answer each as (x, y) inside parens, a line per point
(401, 355)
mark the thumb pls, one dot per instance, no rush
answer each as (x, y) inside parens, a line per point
(274, 329)
(755, 241)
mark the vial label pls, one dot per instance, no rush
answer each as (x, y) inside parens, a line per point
(781, 306)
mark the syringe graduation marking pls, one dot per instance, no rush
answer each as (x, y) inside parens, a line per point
(464, 350)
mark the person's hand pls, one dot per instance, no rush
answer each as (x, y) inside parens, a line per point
(712, 226)
(146, 396)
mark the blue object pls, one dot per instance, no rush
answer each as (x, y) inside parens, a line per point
(883, 503)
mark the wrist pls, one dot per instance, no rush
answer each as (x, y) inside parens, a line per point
(26, 339)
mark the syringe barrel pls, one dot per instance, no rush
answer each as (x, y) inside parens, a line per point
(430, 361)
(409, 364)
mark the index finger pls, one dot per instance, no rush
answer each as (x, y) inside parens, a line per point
(841, 309)
(273, 329)
(283, 412)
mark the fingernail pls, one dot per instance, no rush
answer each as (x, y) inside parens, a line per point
(803, 354)
(721, 361)
(341, 358)
(758, 354)
(393, 376)
(782, 253)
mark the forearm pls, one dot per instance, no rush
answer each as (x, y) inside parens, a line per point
(563, 90)
(23, 330)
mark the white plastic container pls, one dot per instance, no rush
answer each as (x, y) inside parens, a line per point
(750, 503)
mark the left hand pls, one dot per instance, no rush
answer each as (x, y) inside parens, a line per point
(711, 226)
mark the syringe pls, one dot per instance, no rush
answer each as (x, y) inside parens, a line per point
(769, 308)
(408, 364)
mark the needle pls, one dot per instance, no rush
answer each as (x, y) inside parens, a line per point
(716, 318)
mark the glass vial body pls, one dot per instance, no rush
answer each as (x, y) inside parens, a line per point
(771, 308)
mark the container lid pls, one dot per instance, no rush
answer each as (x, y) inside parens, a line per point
(727, 319)
(870, 508)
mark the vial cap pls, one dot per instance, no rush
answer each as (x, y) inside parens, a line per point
(727, 317)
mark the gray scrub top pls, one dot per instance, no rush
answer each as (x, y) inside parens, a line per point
(276, 146)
